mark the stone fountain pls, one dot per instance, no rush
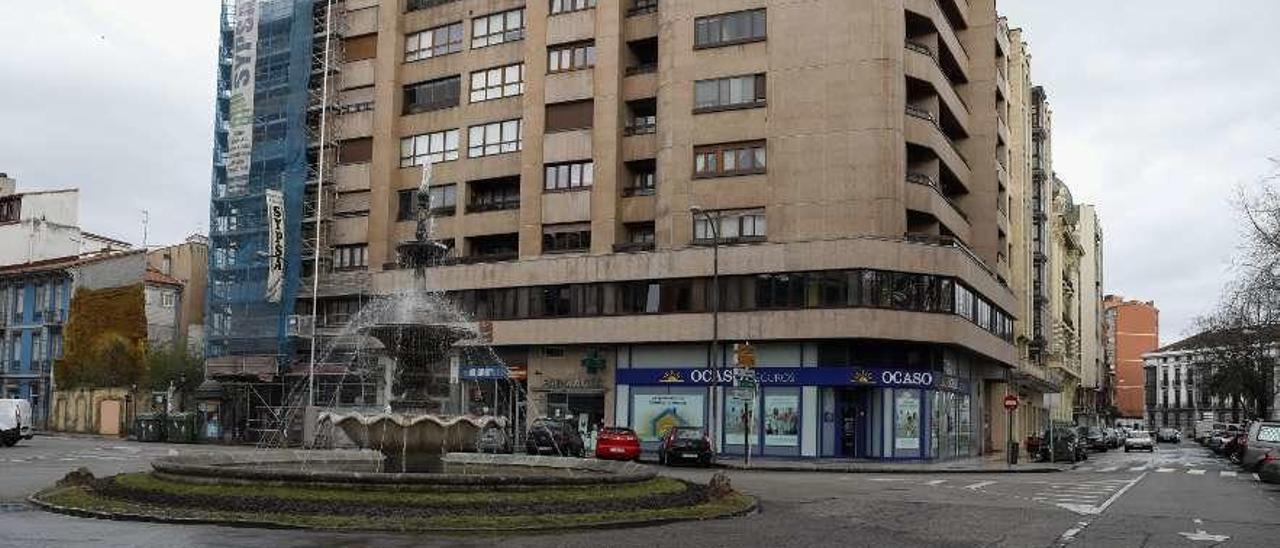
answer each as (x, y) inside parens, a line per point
(417, 329)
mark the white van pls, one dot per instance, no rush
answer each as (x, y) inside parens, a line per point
(15, 421)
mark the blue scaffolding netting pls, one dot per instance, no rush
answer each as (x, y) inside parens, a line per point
(242, 321)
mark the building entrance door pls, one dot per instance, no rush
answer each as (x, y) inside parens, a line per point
(853, 423)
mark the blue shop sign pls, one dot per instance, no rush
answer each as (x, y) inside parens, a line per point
(797, 376)
(483, 372)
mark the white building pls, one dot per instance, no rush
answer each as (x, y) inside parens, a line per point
(43, 225)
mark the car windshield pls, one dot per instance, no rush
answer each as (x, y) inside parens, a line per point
(1139, 435)
(1269, 432)
(688, 434)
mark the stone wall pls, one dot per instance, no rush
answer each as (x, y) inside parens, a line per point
(79, 410)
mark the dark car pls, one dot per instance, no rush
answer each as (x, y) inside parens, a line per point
(554, 437)
(1113, 437)
(493, 440)
(1092, 438)
(685, 444)
(1063, 444)
(1171, 435)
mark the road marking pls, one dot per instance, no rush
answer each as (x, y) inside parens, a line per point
(1255, 477)
(1201, 534)
(1164, 470)
(1196, 472)
(1227, 474)
(887, 479)
(1071, 533)
(1109, 469)
(936, 482)
(979, 485)
(1138, 469)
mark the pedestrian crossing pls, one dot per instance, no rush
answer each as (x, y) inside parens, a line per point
(1188, 470)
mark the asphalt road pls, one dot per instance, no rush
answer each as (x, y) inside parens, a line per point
(1178, 496)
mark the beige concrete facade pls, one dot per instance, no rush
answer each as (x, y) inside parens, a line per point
(897, 136)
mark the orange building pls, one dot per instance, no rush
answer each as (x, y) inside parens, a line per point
(1132, 329)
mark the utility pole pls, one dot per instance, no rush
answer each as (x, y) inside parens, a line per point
(714, 224)
(315, 262)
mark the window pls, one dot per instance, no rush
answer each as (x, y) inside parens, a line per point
(355, 151)
(495, 247)
(494, 194)
(730, 159)
(570, 116)
(729, 28)
(496, 83)
(433, 95)
(568, 57)
(406, 209)
(358, 48)
(350, 257)
(494, 138)
(570, 176)
(640, 233)
(642, 117)
(642, 178)
(566, 237)
(639, 7)
(166, 299)
(497, 28)
(747, 91)
(415, 5)
(441, 146)
(433, 42)
(734, 225)
(565, 6)
(443, 198)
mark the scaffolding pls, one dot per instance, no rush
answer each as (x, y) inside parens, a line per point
(248, 343)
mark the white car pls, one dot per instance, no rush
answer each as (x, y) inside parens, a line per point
(1139, 440)
(15, 421)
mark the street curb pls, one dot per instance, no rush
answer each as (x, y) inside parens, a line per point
(34, 499)
(895, 470)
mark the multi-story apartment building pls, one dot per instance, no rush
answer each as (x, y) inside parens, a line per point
(645, 183)
(40, 241)
(1132, 329)
(1090, 401)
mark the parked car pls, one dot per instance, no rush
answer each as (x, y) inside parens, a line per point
(1269, 466)
(1218, 441)
(1139, 440)
(15, 422)
(684, 443)
(493, 440)
(1263, 437)
(1114, 439)
(1235, 446)
(617, 443)
(555, 437)
(1092, 438)
(1062, 446)
(1171, 435)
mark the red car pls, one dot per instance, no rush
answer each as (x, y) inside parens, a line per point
(617, 443)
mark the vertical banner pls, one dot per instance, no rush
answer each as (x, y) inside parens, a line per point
(907, 435)
(782, 420)
(244, 60)
(275, 245)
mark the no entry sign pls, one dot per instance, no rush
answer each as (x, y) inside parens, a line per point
(1010, 402)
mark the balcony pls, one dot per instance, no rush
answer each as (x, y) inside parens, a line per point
(922, 128)
(921, 63)
(644, 68)
(642, 7)
(633, 247)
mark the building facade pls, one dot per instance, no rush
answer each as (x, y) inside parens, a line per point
(1132, 330)
(187, 264)
(630, 188)
(1177, 390)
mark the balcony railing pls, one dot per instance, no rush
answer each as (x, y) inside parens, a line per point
(630, 247)
(640, 129)
(493, 206)
(637, 191)
(641, 7)
(643, 68)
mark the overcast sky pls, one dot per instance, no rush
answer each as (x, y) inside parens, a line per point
(1161, 108)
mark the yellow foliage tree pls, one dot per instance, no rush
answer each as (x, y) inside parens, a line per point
(105, 339)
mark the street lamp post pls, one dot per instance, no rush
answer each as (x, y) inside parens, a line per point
(714, 223)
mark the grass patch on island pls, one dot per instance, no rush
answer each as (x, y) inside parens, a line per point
(549, 495)
(84, 499)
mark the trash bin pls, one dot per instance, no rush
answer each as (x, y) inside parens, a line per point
(180, 428)
(149, 427)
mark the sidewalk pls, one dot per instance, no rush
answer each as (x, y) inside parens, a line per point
(990, 464)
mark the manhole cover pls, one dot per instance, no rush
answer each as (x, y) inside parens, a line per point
(13, 507)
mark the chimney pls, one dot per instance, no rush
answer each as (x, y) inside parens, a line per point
(7, 186)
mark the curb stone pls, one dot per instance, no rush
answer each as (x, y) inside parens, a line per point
(752, 508)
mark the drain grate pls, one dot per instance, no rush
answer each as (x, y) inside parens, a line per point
(13, 507)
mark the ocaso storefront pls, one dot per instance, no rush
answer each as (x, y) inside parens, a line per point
(853, 412)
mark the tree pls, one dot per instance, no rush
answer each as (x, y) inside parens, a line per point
(166, 364)
(1238, 344)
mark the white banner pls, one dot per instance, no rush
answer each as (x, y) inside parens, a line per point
(243, 65)
(275, 245)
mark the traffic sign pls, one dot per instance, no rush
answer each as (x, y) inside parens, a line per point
(744, 378)
(1010, 402)
(744, 355)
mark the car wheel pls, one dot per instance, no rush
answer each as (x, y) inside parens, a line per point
(1126, 449)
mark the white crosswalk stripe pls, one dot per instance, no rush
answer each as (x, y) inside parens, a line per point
(935, 482)
(1109, 469)
(1164, 470)
(979, 485)
(1227, 474)
(1138, 468)
(1196, 472)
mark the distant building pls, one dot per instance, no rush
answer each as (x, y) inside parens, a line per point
(188, 264)
(1177, 386)
(1132, 329)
